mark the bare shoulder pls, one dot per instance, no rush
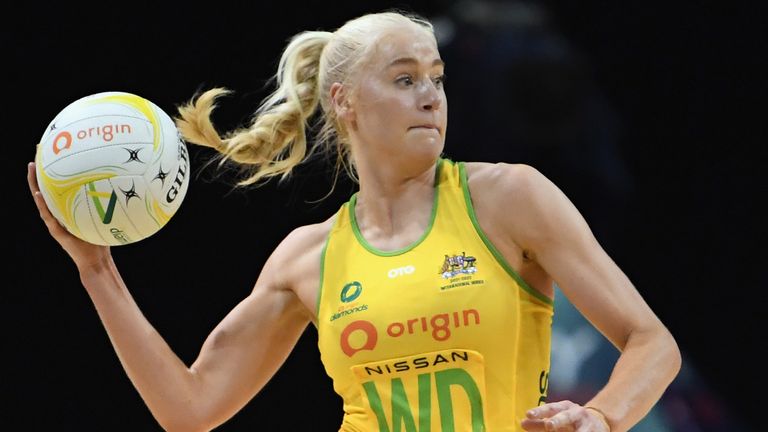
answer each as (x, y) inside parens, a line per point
(508, 208)
(518, 201)
(305, 239)
(296, 261)
(488, 180)
(302, 247)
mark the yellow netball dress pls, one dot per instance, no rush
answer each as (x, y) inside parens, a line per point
(440, 336)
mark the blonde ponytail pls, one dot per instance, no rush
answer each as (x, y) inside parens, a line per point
(276, 140)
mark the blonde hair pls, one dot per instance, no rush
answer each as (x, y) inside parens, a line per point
(276, 140)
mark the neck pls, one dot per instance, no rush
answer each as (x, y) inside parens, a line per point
(394, 208)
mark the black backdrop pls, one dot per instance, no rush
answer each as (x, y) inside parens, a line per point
(673, 192)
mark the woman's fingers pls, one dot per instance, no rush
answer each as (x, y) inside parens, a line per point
(548, 410)
(563, 416)
(51, 222)
(564, 421)
(540, 418)
(31, 178)
(533, 425)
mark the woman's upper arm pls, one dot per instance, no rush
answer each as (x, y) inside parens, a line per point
(547, 224)
(250, 344)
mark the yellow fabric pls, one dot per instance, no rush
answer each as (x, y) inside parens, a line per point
(440, 336)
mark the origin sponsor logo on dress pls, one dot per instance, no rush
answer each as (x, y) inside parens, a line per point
(438, 326)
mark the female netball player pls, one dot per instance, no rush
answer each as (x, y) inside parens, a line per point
(431, 289)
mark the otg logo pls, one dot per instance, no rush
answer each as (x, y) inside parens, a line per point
(401, 271)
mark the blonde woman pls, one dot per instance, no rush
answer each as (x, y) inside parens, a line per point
(431, 289)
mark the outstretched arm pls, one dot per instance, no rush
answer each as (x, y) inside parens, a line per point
(237, 359)
(549, 227)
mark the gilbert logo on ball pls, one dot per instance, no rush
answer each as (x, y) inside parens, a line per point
(112, 168)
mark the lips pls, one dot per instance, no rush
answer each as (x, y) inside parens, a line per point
(426, 126)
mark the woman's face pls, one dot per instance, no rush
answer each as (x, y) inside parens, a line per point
(398, 109)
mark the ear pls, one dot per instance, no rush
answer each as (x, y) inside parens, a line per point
(340, 101)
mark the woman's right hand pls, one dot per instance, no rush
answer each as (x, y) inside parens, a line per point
(84, 254)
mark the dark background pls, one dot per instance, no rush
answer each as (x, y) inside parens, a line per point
(648, 115)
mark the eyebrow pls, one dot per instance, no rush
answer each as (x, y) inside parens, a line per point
(411, 60)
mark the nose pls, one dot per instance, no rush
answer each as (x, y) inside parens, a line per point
(430, 97)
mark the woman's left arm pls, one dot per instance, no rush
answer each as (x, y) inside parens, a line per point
(552, 231)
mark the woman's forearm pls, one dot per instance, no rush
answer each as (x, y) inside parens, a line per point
(626, 399)
(164, 382)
